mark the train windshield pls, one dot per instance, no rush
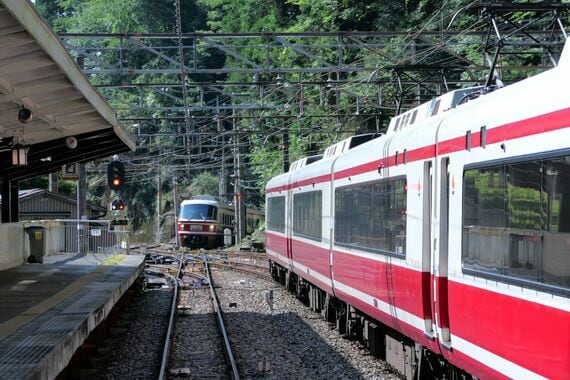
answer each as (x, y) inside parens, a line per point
(200, 212)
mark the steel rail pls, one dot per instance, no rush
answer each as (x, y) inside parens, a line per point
(166, 350)
(255, 270)
(221, 325)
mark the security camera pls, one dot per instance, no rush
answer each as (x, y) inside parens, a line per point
(25, 115)
(71, 142)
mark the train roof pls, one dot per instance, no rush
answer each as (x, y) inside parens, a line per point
(204, 199)
(349, 143)
(414, 116)
(301, 163)
(214, 201)
(432, 108)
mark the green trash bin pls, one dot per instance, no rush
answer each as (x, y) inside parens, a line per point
(37, 243)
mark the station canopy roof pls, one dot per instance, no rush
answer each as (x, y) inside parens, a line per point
(37, 72)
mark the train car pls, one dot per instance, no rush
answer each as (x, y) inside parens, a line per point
(203, 220)
(253, 219)
(443, 244)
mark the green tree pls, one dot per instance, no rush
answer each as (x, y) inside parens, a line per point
(203, 184)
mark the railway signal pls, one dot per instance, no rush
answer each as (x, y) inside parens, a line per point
(116, 175)
(117, 205)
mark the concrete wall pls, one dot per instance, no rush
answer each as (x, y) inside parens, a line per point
(13, 245)
(59, 237)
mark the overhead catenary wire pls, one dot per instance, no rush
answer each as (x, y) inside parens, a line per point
(292, 101)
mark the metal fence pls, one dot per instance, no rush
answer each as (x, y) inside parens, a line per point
(84, 236)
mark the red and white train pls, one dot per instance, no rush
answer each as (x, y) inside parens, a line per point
(203, 221)
(444, 243)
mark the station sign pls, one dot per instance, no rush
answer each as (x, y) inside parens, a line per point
(70, 171)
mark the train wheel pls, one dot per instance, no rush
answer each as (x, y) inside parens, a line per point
(329, 309)
(354, 324)
(341, 318)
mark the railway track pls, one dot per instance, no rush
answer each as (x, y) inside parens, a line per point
(208, 362)
(198, 344)
(256, 270)
(271, 332)
(173, 308)
(212, 361)
(220, 322)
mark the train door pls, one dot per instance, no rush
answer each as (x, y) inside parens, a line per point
(441, 256)
(384, 170)
(332, 210)
(289, 225)
(426, 248)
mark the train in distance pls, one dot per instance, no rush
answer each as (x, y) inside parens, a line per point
(204, 220)
(444, 244)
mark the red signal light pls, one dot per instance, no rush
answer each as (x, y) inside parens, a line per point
(116, 175)
(118, 205)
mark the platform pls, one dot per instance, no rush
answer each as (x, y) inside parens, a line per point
(47, 310)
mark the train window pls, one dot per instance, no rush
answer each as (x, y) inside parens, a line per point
(435, 108)
(199, 212)
(307, 211)
(372, 217)
(414, 117)
(516, 222)
(276, 214)
(397, 124)
(483, 136)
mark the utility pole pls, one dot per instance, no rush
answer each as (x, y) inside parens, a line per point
(237, 190)
(175, 201)
(285, 147)
(222, 186)
(183, 80)
(81, 193)
(158, 207)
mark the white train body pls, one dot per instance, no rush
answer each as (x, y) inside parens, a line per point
(477, 266)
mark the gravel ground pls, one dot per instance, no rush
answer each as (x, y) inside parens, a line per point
(290, 342)
(196, 351)
(133, 349)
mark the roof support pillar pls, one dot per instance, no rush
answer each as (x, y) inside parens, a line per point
(5, 201)
(10, 210)
(82, 239)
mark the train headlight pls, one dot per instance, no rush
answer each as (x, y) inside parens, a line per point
(212, 227)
